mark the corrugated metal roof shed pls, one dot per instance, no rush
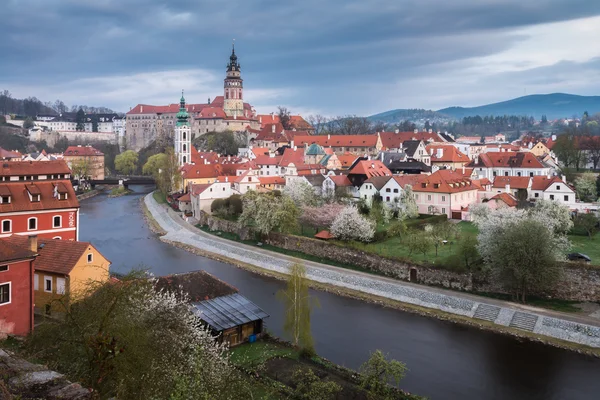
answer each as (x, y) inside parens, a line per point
(229, 311)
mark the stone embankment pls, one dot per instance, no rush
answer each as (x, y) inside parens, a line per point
(22, 380)
(501, 316)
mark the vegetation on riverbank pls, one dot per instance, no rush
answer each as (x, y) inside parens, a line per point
(119, 191)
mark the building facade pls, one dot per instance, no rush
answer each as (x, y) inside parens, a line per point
(183, 141)
(85, 162)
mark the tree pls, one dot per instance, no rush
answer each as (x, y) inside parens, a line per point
(467, 250)
(28, 123)
(377, 372)
(267, 212)
(435, 236)
(224, 143)
(154, 165)
(94, 123)
(126, 162)
(61, 144)
(524, 259)
(80, 120)
(320, 217)
(409, 208)
(310, 387)
(554, 215)
(298, 306)
(284, 117)
(585, 186)
(130, 340)
(169, 178)
(587, 222)
(302, 193)
(350, 225)
(81, 169)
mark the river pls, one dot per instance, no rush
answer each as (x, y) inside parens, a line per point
(445, 360)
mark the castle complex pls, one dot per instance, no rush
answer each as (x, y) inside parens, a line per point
(228, 112)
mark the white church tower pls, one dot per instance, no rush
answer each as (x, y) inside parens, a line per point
(183, 133)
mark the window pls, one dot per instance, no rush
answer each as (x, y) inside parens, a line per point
(443, 210)
(536, 195)
(551, 197)
(566, 198)
(395, 190)
(557, 187)
(32, 224)
(60, 285)
(506, 173)
(443, 198)
(57, 221)
(90, 257)
(387, 198)
(48, 284)
(3, 268)
(5, 293)
(5, 199)
(429, 197)
(6, 225)
(387, 190)
(36, 282)
(518, 174)
(57, 238)
(531, 174)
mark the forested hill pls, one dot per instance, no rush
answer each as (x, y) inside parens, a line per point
(554, 106)
(32, 106)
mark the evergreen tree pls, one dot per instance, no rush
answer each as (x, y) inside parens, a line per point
(80, 119)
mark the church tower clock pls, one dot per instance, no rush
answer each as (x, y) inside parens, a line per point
(233, 88)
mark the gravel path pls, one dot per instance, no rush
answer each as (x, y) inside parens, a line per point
(543, 322)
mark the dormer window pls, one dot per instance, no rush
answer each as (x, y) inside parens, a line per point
(35, 198)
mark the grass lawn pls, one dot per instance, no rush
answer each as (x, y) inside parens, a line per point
(252, 355)
(159, 197)
(583, 244)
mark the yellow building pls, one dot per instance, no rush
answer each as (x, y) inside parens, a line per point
(86, 162)
(540, 149)
(65, 271)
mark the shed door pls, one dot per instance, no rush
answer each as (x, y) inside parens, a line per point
(456, 215)
(60, 285)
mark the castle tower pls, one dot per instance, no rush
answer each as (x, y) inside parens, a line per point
(233, 88)
(183, 133)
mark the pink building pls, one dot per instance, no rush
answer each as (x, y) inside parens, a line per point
(445, 192)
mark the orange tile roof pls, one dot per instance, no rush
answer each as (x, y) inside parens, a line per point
(267, 160)
(404, 180)
(507, 198)
(515, 182)
(337, 140)
(27, 168)
(185, 198)
(9, 154)
(444, 181)
(196, 189)
(191, 171)
(82, 151)
(541, 182)
(271, 180)
(260, 151)
(449, 154)
(296, 121)
(58, 256)
(347, 159)
(291, 156)
(370, 168)
(325, 235)
(9, 251)
(211, 112)
(20, 198)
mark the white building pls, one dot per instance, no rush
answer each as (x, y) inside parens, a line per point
(492, 164)
(183, 133)
(552, 188)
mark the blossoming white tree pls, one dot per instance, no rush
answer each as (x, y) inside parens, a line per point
(320, 217)
(301, 192)
(408, 206)
(350, 225)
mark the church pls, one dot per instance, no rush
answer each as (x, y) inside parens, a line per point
(144, 123)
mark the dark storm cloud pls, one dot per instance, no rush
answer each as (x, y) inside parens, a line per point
(307, 45)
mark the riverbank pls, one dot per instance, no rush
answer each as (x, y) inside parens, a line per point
(90, 194)
(557, 329)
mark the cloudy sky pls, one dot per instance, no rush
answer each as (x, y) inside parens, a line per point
(313, 56)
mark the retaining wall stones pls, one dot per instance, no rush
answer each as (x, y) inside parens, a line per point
(579, 282)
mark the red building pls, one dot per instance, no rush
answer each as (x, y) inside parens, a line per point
(37, 198)
(16, 287)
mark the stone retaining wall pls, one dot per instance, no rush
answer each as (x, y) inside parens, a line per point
(579, 283)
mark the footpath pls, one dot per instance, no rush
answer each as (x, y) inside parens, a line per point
(520, 318)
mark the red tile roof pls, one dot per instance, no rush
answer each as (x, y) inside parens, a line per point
(393, 140)
(515, 182)
(291, 156)
(20, 198)
(337, 140)
(541, 182)
(325, 235)
(267, 160)
(82, 151)
(28, 168)
(347, 159)
(444, 181)
(508, 160)
(9, 154)
(196, 189)
(449, 154)
(271, 180)
(507, 198)
(340, 180)
(296, 121)
(58, 256)
(411, 179)
(9, 251)
(191, 171)
(185, 198)
(212, 112)
(370, 168)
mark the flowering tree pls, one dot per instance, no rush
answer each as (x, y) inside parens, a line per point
(585, 186)
(350, 225)
(267, 212)
(553, 214)
(320, 217)
(408, 204)
(129, 340)
(301, 192)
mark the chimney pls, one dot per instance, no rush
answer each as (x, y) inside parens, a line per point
(564, 178)
(372, 165)
(271, 154)
(260, 119)
(430, 131)
(205, 161)
(549, 176)
(295, 148)
(273, 128)
(463, 169)
(440, 153)
(141, 109)
(33, 243)
(416, 130)
(226, 179)
(476, 159)
(507, 188)
(397, 131)
(292, 144)
(553, 138)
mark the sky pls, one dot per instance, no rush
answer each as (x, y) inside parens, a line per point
(333, 57)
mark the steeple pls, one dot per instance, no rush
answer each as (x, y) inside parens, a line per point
(182, 116)
(233, 63)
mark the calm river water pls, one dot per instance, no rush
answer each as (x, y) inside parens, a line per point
(445, 360)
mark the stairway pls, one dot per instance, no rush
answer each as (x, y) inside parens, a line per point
(524, 321)
(487, 312)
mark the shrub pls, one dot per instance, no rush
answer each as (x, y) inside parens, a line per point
(217, 204)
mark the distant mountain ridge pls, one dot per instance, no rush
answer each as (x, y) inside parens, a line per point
(554, 106)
